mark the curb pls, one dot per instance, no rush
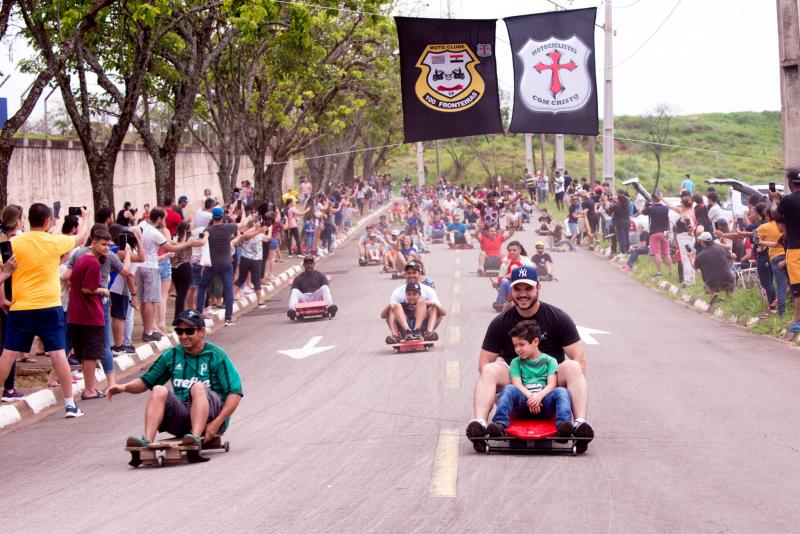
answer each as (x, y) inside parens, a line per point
(39, 404)
(701, 306)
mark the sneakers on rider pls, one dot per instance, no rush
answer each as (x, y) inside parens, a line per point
(134, 441)
(476, 430)
(392, 340)
(190, 440)
(431, 336)
(292, 314)
(332, 309)
(582, 429)
(495, 430)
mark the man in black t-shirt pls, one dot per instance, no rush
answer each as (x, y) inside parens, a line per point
(310, 286)
(789, 208)
(714, 262)
(542, 261)
(559, 338)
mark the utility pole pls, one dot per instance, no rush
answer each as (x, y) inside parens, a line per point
(789, 47)
(592, 161)
(560, 160)
(542, 149)
(608, 109)
(420, 164)
(438, 175)
(529, 153)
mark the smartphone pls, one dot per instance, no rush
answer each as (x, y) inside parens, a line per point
(74, 211)
(202, 235)
(121, 241)
(5, 250)
(57, 209)
(238, 204)
(772, 186)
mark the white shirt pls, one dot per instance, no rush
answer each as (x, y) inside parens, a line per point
(151, 240)
(428, 295)
(714, 213)
(559, 184)
(201, 218)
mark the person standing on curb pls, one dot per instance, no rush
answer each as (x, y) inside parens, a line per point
(789, 208)
(37, 308)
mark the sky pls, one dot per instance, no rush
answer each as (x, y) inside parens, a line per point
(709, 55)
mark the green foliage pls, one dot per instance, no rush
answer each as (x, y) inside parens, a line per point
(747, 145)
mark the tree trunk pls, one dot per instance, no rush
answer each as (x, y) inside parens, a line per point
(274, 178)
(658, 171)
(101, 175)
(6, 149)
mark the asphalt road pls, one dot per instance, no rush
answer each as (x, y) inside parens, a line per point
(694, 421)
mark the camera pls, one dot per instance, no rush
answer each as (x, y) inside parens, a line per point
(74, 211)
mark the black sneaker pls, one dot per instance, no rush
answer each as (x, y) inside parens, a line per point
(291, 314)
(129, 349)
(408, 335)
(155, 336)
(583, 430)
(416, 335)
(565, 429)
(431, 336)
(332, 309)
(391, 340)
(475, 431)
(495, 430)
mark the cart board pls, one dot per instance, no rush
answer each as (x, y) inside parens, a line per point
(460, 246)
(162, 452)
(311, 310)
(532, 436)
(415, 345)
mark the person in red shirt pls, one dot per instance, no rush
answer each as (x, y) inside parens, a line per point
(172, 218)
(85, 318)
(491, 243)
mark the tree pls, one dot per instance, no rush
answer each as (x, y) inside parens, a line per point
(658, 124)
(73, 28)
(459, 156)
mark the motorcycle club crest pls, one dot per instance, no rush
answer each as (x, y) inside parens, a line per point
(555, 77)
(448, 80)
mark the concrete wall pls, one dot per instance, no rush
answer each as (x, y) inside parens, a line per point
(43, 171)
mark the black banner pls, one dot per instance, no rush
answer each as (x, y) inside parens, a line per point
(555, 89)
(448, 76)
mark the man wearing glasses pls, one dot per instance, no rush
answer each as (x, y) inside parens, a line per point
(206, 387)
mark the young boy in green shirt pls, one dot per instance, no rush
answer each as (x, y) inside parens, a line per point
(532, 393)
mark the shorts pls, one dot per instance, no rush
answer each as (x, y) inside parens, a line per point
(88, 341)
(460, 240)
(197, 272)
(274, 244)
(176, 413)
(412, 320)
(148, 284)
(659, 246)
(23, 325)
(119, 306)
(165, 269)
(793, 266)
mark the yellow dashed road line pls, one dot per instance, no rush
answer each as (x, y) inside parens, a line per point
(455, 335)
(452, 375)
(445, 465)
(455, 309)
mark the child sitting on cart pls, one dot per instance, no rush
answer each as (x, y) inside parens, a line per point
(532, 393)
(414, 319)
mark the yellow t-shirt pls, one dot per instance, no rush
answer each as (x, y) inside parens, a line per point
(769, 232)
(36, 282)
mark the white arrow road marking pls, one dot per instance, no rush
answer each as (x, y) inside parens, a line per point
(309, 349)
(587, 335)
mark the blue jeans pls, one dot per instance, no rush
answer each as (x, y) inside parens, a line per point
(764, 270)
(225, 273)
(635, 253)
(623, 237)
(513, 402)
(781, 282)
(503, 290)
(108, 358)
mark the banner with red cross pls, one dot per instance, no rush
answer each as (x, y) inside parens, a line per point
(554, 72)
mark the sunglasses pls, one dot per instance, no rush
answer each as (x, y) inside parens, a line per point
(188, 331)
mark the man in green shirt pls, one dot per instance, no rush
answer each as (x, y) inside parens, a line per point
(207, 388)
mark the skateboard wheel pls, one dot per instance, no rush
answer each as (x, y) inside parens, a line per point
(227, 446)
(575, 450)
(160, 461)
(488, 449)
(136, 459)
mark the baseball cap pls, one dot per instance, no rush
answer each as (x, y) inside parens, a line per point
(191, 317)
(183, 198)
(598, 189)
(413, 265)
(217, 213)
(308, 257)
(539, 244)
(705, 236)
(524, 275)
(413, 286)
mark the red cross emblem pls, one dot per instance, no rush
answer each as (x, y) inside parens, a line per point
(555, 67)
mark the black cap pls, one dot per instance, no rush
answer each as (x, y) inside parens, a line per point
(191, 317)
(413, 265)
(308, 257)
(413, 286)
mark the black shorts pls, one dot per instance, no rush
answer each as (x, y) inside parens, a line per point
(119, 306)
(795, 290)
(176, 413)
(88, 341)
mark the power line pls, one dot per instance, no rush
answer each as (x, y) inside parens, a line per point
(651, 35)
(629, 5)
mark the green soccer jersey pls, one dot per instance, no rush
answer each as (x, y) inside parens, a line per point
(533, 373)
(212, 367)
